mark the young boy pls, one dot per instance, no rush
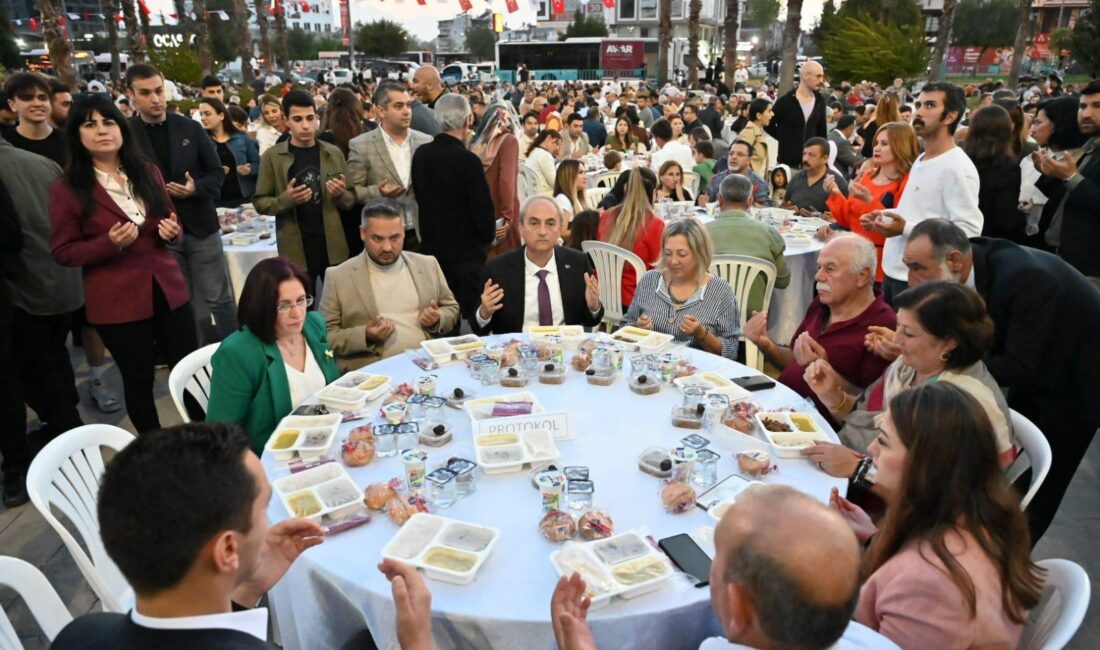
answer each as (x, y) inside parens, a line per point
(704, 161)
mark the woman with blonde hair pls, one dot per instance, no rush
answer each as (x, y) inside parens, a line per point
(671, 183)
(682, 298)
(887, 110)
(895, 148)
(569, 186)
(633, 226)
(271, 125)
(497, 146)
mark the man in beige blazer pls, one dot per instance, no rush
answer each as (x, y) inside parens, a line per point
(384, 300)
(379, 161)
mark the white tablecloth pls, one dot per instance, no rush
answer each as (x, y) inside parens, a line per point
(241, 259)
(334, 591)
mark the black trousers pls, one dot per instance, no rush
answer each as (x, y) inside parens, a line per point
(891, 288)
(131, 345)
(463, 277)
(49, 385)
(13, 415)
(316, 249)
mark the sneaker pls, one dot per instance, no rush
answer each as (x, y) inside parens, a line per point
(15, 490)
(104, 399)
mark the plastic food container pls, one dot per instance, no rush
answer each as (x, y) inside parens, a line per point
(303, 436)
(624, 565)
(446, 549)
(438, 349)
(342, 398)
(243, 239)
(484, 408)
(655, 461)
(719, 498)
(712, 382)
(319, 492)
(552, 373)
(373, 385)
(464, 345)
(499, 453)
(790, 433)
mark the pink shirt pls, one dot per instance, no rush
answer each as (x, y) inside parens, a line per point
(912, 601)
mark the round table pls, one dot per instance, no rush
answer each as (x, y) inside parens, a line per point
(334, 591)
(239, 260)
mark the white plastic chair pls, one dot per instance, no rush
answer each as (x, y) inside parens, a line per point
(595, 195)
(192, 375)
(609, 261)
(65, 476)
(1035, 454)
(41, 599)
(691, 182)
(605, 179)
(741, 271)
(530, 183)
(1052, 624)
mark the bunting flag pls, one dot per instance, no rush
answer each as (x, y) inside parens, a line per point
(466, 5)
(558, 7)
(512, 5)
(305, 6)
(34, 24)
(143, 8)
(421, 2)
(610, 4)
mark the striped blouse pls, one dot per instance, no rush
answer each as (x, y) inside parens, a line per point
(713, 304)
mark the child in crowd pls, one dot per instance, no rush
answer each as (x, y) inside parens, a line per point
(704, 161)
(583, 228)
(613, 161)
(779, 177)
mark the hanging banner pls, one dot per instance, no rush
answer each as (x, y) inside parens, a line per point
(558, 7)
(345, 21)
(512, 5)
(622, 55)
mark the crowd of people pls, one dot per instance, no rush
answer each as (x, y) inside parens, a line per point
(959, 280)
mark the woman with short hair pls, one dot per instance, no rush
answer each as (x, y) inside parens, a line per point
(670, 184)
(272, 123)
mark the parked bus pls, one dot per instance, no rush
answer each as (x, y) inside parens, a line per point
(419, 57)
(588, 58)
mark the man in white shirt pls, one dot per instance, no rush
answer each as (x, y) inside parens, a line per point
(943, 184)
(540, 283)
(668, 148)
(574, 142)
(527, 136)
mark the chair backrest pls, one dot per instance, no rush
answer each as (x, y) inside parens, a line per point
(65, 476)
(609, 261)
(41, 599)
(1035, 454)
(530, 183)
(691, 182)
(741, 271)
(1052, 624)
(606, 179)
(595, 195)
(192, 375)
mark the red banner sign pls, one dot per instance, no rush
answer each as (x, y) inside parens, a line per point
(557, 6)
(512, 5)
(610, 4)
(345, 19)
(622, 55)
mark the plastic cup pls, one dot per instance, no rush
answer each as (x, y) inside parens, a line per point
(415, 463)
(550, 485)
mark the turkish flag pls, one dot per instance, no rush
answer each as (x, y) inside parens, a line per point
(558, 6)
(421, 2)
(513, 7)
(465, 4)
(610, 4)
(34, 24)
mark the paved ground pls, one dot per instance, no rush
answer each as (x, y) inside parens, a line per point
(24, 534)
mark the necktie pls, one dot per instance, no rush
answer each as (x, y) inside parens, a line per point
(546, 315)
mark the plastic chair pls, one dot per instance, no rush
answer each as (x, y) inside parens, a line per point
(65, 475)
(1052, 624)
(741, 271)
(41, 599)
(192, 375)
(530, 183)
(595, 195)
(609, 261)
(1035, 454)
(605, 179)
(691, 182)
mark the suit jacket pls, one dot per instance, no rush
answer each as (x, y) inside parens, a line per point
(791, 128)
(349, 303)
(567, 144)
(998, 200)
(508, 271)
(1080, 237)
(847, 161)
(369, 164)
(118, 284)
(249, 385)
(110, 631)
(424, 119)
(457, 220)
(270, 199)
(192, 151)
(1045, 313)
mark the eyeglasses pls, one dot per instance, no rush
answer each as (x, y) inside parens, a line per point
(301, 303)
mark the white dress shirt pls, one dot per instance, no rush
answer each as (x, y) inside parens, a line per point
(673, 151)
(123, 195)
(531, 294)
(306, 382)
(400, 155)
(250, 621)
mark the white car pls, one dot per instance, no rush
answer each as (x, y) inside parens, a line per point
(340, 76)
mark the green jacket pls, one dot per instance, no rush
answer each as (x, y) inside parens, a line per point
(705, 170)
(249, 385)
(734, 232)
(271, 198)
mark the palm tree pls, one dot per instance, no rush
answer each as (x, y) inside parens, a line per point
(244, 40)
(280, 37)
(265, 41)
(1023, 30)
(133, 33)
(57, 42)
(112, 41)
(202, 37)
(791, 33)
(941, 39)
(694, 9)
(729, 40)
(664, 39)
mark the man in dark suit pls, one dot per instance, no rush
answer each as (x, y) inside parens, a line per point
(540, 283)
(847, 161)
(711, 117)
(1046, 345)
(193, 175)
(789, 124)
(194, 565)
(454, 205)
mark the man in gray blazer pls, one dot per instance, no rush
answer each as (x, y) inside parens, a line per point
(847, 161)
(380, 161)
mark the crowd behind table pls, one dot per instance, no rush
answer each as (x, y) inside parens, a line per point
(404, 214)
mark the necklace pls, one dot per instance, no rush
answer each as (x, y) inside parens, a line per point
(677, 304)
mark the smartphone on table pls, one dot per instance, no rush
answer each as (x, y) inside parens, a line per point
(688, 557)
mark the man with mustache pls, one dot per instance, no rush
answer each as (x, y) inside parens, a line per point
(836, 322)
(943, 184)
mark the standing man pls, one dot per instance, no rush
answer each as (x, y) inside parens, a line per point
(454, 203)
(711, 118)
(943, 183)
(799, 115)
(574, 142)
(380, 161)
(29, 98)
(427, 86)
(594, 129)
(61, 100)
(193, 175)
(303, 182)
(212, 87)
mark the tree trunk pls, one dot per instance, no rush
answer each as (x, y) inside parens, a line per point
(244, 40)
(729, 43)
(664, 40)
(1023, 30)
(265, 41)
(133, 33)
(694, 9)
(941, 40)
(112, 41)
(790, 45)
(146, 32)
(57, 42)
(202, 37)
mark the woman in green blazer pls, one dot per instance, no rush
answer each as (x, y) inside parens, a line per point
(279, 357)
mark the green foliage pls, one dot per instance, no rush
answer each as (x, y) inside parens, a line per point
(828, 15)
(481, 42)
(762, 13)
(178, 64)
(894, 12)
(9, 51)
(984, 23)
(381, 38)
(1085, 41)
(860, 47)
(304, 46)
(1061, 39)
(583, 26)
(223, 33)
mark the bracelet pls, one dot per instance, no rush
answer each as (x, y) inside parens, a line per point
(837, 407)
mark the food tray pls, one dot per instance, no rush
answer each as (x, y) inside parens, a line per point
(564, 331)
(718, 499)
(374, 386)
(641, 340)
(604, 565)
(328, 487)
(243, 239)
(482, 407)
(805, 431)
(314, 437)
(425, 535)
(500, 453)
(796, 240)
(342, 398)
(444, 350)
(712, 382)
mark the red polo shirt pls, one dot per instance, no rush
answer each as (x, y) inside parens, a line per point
(843, 341)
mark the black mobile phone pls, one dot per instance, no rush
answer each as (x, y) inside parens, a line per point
(754, 383)
(686, 554)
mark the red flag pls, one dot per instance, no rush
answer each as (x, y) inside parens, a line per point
(34, 24)
(466, 5)
(174, 16)
(143, 7)
(513, 7)
(558, 6)
(305, 6)
(610, 4)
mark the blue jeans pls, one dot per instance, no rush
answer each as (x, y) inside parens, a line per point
(202, 260)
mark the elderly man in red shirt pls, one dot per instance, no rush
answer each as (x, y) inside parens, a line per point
(836, 322)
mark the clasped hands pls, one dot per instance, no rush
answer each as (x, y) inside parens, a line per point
(124, 233)
(492, 296)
